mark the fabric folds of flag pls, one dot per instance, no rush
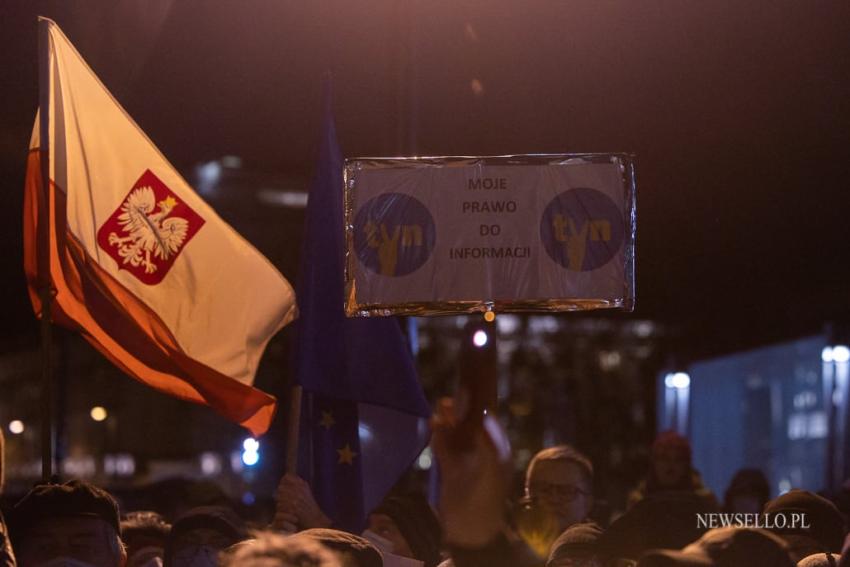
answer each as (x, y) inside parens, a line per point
(364, 415)
(138, 263)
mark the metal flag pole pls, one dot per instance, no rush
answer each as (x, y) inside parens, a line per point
(48, 432)
(293, 429)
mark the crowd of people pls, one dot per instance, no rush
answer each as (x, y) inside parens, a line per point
(671, 519)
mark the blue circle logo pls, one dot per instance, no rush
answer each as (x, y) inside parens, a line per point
(582, 229)
(394, 234)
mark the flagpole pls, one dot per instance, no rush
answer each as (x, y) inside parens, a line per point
(293, 422)
(48, 432)
(293, 429)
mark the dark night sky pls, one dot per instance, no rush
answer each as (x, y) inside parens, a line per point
(739, 113)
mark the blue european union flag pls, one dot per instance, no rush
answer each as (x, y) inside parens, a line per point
(364, 418)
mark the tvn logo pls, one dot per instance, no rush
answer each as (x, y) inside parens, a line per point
(389, 243)
(394, 234)
(575, 237)
(582, 229)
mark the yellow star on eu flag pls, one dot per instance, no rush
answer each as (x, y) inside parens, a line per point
(327, 420)
(346, 455)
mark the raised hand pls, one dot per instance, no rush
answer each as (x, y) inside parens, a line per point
(474, 474)
(295, 507)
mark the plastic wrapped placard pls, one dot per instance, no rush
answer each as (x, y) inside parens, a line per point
(440, 235)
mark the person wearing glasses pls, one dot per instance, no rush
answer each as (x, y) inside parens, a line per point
(560, 480)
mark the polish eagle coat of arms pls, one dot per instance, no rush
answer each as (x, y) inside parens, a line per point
(148, 230)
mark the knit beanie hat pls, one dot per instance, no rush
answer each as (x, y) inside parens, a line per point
(670, 441)
(577, 541)
(823, 521)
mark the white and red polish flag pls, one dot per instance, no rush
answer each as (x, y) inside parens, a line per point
(139, 264)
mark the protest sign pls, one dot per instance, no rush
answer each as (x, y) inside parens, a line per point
(509, 233)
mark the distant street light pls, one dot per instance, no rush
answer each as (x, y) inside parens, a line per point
(98, 413)
(16, 427)
(678, 380)
(251, 452)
